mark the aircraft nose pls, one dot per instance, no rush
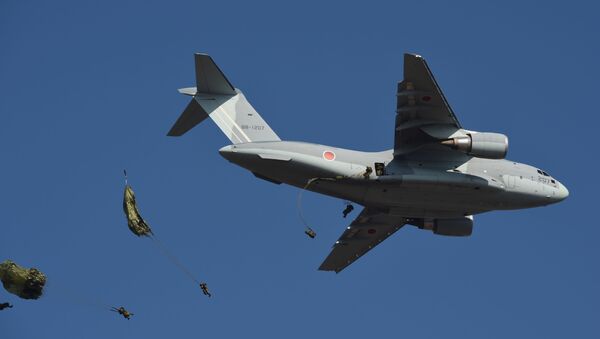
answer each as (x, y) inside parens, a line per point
(562, 193)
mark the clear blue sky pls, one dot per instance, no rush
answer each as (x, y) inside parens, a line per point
(89, 88)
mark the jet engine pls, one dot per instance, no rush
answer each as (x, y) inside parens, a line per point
(482, 145)
(458, 227)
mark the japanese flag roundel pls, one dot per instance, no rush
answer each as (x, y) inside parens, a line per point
(329, 155)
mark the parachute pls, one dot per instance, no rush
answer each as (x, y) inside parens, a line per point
(139, 227)
(136, 223)
(25, 283)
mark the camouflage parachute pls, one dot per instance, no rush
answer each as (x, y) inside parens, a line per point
(136, 223)
(25, 283)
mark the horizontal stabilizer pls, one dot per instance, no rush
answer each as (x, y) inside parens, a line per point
(209, 78)
(191, 116)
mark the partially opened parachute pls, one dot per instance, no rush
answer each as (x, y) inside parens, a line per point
(23, 282)
(136, 223)
(139, 227)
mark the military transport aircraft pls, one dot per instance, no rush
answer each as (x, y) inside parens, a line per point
(437, 176)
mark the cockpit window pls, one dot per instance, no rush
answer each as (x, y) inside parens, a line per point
(543, 173)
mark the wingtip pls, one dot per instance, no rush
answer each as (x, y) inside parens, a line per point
(413, 55)
(191, 91)
(331, 269)
(199, 57)
(324, 268)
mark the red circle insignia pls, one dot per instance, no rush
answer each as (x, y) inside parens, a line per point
(329, 155)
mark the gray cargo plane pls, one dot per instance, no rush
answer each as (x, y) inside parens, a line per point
(437, 176)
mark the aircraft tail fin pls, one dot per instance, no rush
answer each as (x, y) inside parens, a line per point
(215, 97)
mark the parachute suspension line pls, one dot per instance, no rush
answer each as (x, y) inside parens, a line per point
(299, 202)
(69, 295)
(308, 231)
(173, 259)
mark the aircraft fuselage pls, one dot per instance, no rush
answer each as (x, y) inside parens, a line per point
(454, 185)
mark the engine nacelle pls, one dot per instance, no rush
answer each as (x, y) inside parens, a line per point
(458, 227)
(482, 145)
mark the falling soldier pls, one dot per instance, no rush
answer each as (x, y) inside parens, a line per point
(309, 231)
(349, 208)
(204, 288)
(367, 173)
(122, 311)
(5, 305)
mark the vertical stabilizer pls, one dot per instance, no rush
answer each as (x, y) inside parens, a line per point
(215, 97)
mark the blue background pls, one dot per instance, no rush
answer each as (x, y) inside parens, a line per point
(89, 88)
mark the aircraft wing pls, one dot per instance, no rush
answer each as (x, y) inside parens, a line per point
(420, 102)
(366, 231)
